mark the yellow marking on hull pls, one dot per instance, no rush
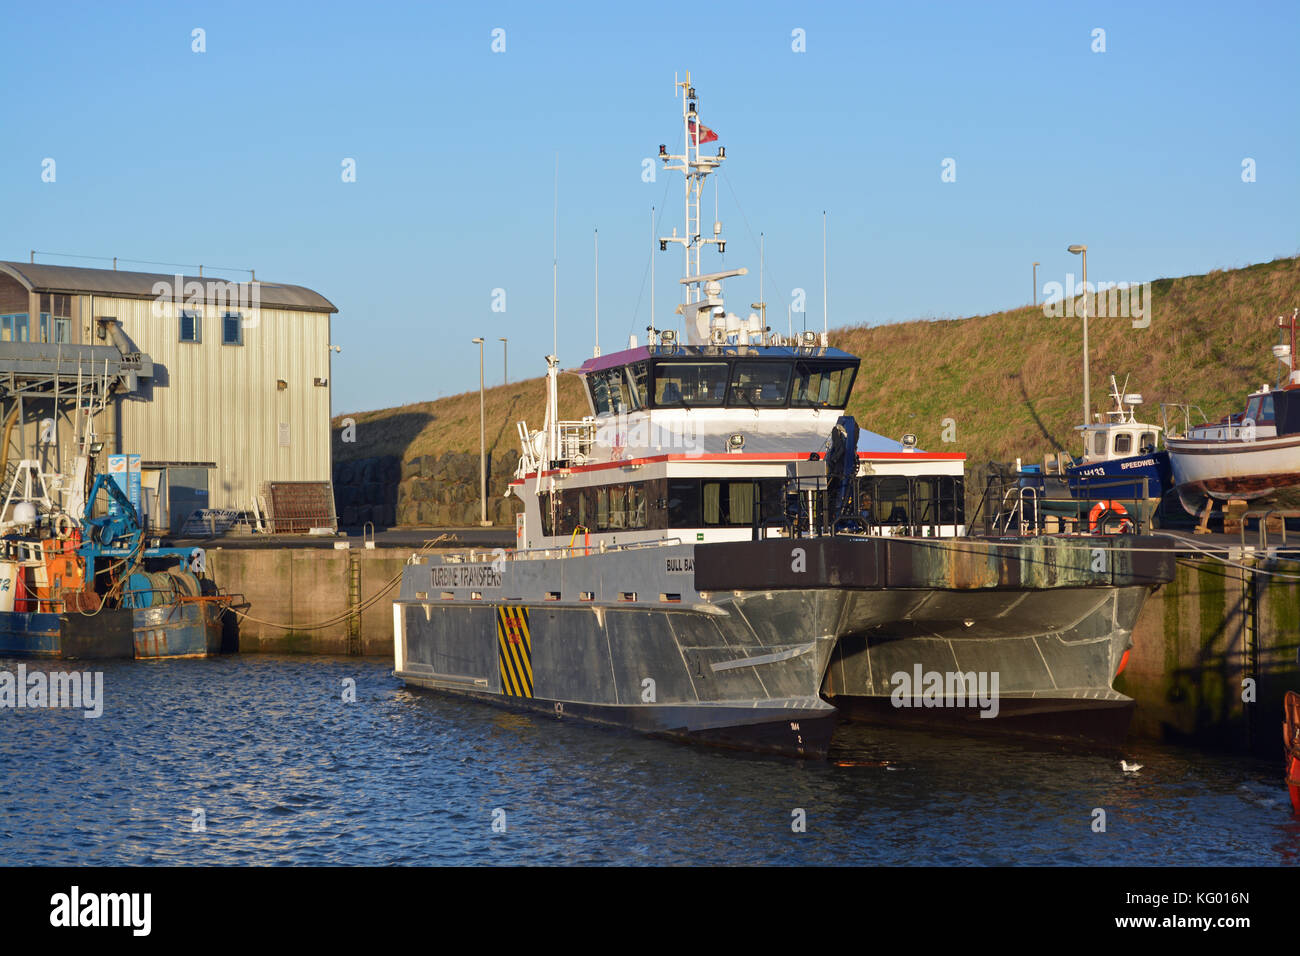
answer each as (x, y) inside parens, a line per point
(514, 651)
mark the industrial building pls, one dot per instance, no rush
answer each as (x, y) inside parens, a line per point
(220, 387)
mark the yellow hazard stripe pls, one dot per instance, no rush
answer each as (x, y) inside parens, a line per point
(514, 656)
(503, 654)
(522, 654)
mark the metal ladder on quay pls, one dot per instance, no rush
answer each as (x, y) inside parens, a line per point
(354, 603)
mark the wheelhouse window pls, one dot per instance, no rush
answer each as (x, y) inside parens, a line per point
(638, 376)
(690, 384)
(820, 385)
(759, 384)
(191, 326)
(1147, 443)
(611, 391)
(232, 328)
(1260, 410)
(1099, 443)
(1123, 443)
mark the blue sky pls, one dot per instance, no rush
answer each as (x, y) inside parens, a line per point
(233, 157)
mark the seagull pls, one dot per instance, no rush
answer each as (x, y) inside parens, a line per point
(1129, 767)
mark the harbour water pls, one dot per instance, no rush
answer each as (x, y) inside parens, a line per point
(259, 759)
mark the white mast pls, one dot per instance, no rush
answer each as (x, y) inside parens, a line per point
(703, 290)
(596, 352)
(652, 275)
(555, 263)
(825, 326)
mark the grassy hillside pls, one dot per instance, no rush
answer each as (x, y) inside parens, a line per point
(1011, 381)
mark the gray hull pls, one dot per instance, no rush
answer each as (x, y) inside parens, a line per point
(757, 644)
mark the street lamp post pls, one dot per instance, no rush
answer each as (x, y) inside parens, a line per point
(505, 361)
(482, 442)
(1036, 265)
(1087, 393)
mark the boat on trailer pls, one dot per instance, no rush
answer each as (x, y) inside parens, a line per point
(1252, 456)
(717, 553)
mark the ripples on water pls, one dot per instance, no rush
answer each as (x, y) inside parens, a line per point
(286, 773)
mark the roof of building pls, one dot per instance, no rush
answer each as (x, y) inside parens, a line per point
(38, 277)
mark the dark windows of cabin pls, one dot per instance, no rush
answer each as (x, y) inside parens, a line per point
(759, 384)
(921, 504)
(683, 502)
(752, 383)
(638, 375)
(743, 503)
(663, 504)
(690, 384)
(1123, 443)
(624, 507)
(618, 390)
(818, 385)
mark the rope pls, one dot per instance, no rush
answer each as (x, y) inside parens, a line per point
(351, 612)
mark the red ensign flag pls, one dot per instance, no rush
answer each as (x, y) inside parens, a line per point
(708, 137)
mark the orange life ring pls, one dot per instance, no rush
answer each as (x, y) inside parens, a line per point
(1115, 508)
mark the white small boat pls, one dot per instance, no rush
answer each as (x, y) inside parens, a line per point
(1253, 456)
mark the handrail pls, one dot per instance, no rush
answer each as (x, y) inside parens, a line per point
(1262, 515)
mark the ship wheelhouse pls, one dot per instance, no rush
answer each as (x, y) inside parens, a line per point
(719, 376)
(707, 443)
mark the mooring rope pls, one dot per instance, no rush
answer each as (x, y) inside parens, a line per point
(350, 612)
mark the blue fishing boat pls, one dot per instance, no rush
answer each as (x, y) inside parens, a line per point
(1122, 459)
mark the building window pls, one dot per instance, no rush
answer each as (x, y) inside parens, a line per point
(13, 327)
(191, 326)
(55, 329)
(232, 328)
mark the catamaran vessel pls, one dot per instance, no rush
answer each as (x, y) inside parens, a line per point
(718, 553)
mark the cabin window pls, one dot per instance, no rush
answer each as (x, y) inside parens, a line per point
(1266, 411)
(690, 384)
(683, 503)
(638, 376)
(1099, 443)
(599, 389)
(759, 384)
(191, 326)
(821, 386)
(1147, 442)
(1123, 443)
(732, 503)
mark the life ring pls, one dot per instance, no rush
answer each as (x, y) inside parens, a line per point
(1115, 508)
(63, 527)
